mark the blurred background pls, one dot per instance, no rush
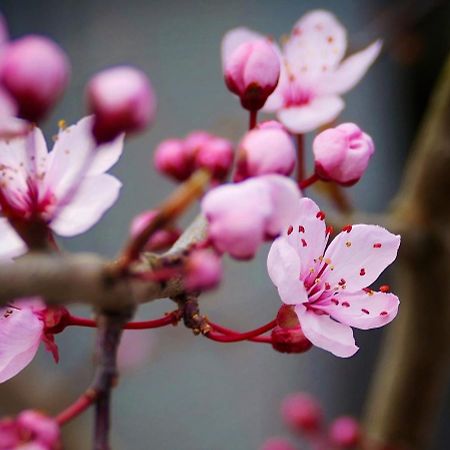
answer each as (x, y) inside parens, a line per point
(190, 393)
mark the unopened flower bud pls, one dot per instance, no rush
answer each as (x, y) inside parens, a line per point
(35, 72)
(173, 158)
(161, 239)
(277, 443)
(265, 150)
(252, 71)
(203, 271)
(39, 429)
(210, 152)
(342, 154)
(302, 412)
(122, 100)
(345, 432)
(290, 340)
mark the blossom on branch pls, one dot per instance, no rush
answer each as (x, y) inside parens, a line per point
(328, 287)
(65, 190)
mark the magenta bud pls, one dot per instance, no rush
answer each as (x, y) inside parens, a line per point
(345, 432)
(39, 429)
(203, 271)
(35, 72)
(210, 152)
(263, 151)
(342, 154)
(122, 100)
(302, 413)
(252, 71)
(277, 443)
(174, 159)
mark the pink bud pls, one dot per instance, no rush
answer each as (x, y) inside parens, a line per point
(203, 271)
(290, 340)
(41, 429)
(174, 159)
(342, 154)
(277, 443)
(345, 432)
(252, 71)
(264, 151)
(122, 100)
(302, 412)
(35, 71)
(159, 241)
(210, 152)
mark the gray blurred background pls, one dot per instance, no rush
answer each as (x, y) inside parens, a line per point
(194, 394)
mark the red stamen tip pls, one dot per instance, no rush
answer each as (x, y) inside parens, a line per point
(385, 288)
(320, 215)
(347, 228)
(290, 229)
(377, 245)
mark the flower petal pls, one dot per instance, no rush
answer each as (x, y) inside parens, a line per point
(326, 333)
(20, 334)
(106, 156)
(283, 265)
(363, 310)
(350, 72)
(359, 255)
(93, 198)
(302, 119)
(234, 38)
(11, 245)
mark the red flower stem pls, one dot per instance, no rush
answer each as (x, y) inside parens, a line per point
(253, 119)
(300, 158)
(168, 319)
(80, 405)
(229, 335)
(262, 339)
(308, 181)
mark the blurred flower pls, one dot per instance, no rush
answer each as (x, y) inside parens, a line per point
(136, 349)
(277, 443)
(302, 412)
(122, 101)
(203, 270)
(66, 190)
(265, 150)
(328, 288)
(342, 154)
(344, 432)
(251, 67)
(241, 216)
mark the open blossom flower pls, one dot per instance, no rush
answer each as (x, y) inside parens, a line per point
(241, 216)
(313, 74)
(328, 287)
(30, 430)
(22, 329)
(66, 189)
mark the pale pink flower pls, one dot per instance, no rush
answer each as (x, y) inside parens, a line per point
(251, 67)
(264, 150)
(66, 189)
(203, 271)
(328, 286)
(136, 350)
(313, 72)
(342, 154)
(122, 100)
(241, 216)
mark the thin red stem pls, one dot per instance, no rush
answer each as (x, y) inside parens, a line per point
(76, 408)
(253, 119)
(300, 158)
(229, 335)
(308, 181)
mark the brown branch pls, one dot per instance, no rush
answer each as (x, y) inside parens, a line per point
(413, 371)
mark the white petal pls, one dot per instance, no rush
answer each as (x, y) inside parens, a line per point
(234, 38)
(11, 245)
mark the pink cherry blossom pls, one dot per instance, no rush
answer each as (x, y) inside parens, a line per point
(241, 216)
(265, 150)
(302, 412)
(66, 189)
(345, 432)
(203, 271)
(328, 286)
(251, 67)
(342, 154)
(313, 74)
(122, 101)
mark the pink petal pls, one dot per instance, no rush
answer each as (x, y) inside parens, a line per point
(106, 156)
(11, 245)
(326, 333)
(350, 72)
(306, 118)
(308, 234)
(20, 334)
(283, 265)
(94, 197)
(8, 106)
(360, 255)
(363, 310)
(317, 44)
(234, 38)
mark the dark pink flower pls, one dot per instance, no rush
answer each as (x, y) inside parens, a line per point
(302, 412)
(345, 432)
